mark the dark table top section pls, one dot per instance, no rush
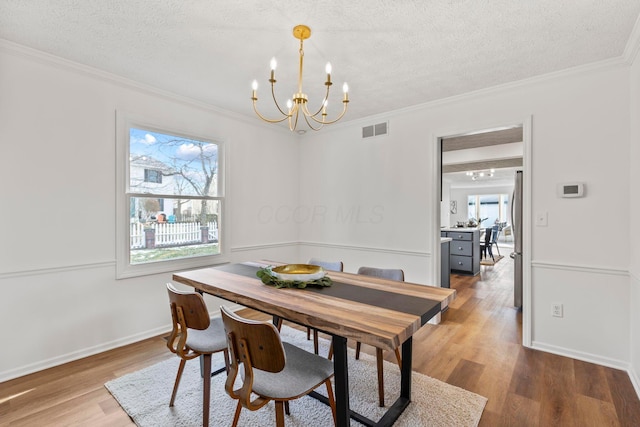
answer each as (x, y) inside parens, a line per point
(423, 307)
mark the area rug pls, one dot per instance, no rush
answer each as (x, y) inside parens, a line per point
(145, 395)
(489, 261)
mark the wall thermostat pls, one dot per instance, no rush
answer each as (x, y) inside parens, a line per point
(571, 189)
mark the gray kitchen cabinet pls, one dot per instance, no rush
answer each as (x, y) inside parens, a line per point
(445, 262)
(465, 250)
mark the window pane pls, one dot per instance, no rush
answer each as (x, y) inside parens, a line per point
(504, 213)
(180, 229)
(471, 209)
(170, 164)
(489, 209)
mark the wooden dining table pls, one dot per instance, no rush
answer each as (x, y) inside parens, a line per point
(380, 312)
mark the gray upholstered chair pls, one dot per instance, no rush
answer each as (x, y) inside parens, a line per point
(193, 335)
(271, 369)
(329, 266)
(385, 273)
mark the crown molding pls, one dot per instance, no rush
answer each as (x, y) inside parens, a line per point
(496, 90)
(19, 50)
(633, 44)
(630, 52)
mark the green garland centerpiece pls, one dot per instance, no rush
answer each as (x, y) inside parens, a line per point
(269, 278)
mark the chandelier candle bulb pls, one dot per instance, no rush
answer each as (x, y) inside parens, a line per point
(273, 64)
(254, 87)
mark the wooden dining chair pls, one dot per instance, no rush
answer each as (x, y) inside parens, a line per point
(385, 273)
(193, 335)
(272, 370)
(328, 266)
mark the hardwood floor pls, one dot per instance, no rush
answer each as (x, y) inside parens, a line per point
(475, 347)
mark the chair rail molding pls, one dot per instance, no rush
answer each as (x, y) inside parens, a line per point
(58, 269)
(581, 268)
(422, 254)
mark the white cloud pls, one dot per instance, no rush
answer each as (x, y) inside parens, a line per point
(190, 151)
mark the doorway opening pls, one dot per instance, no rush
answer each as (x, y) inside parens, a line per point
(476, 179)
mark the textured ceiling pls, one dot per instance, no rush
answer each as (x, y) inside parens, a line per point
(393, 54)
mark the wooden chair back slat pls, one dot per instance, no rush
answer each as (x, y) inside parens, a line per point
(193, 309)
(264, 350)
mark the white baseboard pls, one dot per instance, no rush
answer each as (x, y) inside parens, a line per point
(90, 351)
(635, 380)
(79, 354)
(592, 358)
(579, 355)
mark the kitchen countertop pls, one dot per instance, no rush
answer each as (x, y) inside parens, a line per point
(460, 229)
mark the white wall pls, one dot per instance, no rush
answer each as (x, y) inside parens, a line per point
(580, 132)
(634, 225)
(57, 258)
(376, 196)
(363, 201)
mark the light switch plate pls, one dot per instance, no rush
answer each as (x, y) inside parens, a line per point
(541, 219)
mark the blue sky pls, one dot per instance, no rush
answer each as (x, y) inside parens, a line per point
(156, 145)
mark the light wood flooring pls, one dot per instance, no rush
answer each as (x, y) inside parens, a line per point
(476, 347)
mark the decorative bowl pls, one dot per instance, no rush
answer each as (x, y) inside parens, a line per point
(298, 272)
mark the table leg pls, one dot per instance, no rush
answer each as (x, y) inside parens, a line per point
(212, 373)
(341, 381)
(405, 371)
(277, 322)
(394, 412)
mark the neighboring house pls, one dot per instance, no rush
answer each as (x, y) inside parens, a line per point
(146, 174)
(149, 174)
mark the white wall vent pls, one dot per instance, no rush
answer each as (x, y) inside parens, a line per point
(375, 130)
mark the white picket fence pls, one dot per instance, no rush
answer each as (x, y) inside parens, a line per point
(168, 234)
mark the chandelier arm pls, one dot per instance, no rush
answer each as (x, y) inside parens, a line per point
(324, 122)
(323, 103)
(344, 110)
(255, 108)
(305, 110)
(294, 112)
(306, 119)
(273, 95)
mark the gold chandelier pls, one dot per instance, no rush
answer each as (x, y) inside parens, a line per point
(298, 103)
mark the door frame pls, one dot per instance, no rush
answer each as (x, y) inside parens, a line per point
(436, 139)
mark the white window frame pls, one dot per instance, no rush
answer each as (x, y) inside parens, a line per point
(124, 268)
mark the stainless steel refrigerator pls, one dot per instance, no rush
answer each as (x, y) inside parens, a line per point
(516, 227)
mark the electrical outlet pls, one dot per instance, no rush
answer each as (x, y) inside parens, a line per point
(556, 309)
